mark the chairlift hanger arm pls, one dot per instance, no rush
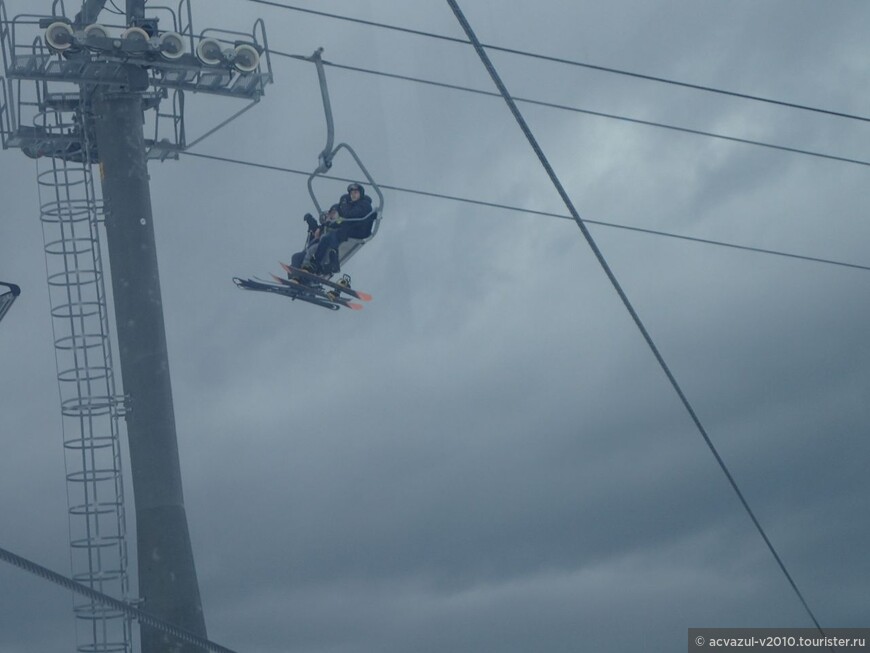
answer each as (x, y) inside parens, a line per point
(90, 10)
(135, 11)
(326, 155)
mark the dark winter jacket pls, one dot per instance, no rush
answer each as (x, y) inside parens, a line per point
(355, 211)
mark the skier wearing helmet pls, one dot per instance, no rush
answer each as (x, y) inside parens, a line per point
(354, 221)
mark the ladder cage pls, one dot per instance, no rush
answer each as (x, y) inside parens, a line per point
(90, 406)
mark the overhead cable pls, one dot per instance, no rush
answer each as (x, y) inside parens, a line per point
(111, 602)
(563, 107)
(625, 300)
(569, 62)
(508, 207)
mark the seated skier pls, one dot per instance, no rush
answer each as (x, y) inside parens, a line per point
(355, 219)
(328, 221)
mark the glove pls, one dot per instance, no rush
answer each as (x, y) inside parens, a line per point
(311, 222)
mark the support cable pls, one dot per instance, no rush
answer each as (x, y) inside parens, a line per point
(507, 207)
(616, 285)
(222, 124)
(564, 107)
(111, 602)
(569, 62)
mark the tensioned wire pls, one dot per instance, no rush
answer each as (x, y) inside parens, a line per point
(111, 602)
(564, 107)
(569, 62)
(466, 200)
(616, 285)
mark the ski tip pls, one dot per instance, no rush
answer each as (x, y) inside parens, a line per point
(285, 266)
(354, 306)
(363, 296)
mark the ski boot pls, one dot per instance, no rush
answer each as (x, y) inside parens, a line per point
(344, 282)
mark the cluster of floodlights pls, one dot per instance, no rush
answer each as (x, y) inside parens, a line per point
(62, 36)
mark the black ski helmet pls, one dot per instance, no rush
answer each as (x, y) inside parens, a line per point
(359, 187)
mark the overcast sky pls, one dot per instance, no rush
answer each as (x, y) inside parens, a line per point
(488, 457)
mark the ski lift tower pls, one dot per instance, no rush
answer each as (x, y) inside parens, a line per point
(78, 93)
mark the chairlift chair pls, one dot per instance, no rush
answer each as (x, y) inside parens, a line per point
(352, 245)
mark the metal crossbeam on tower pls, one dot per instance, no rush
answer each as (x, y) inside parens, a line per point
(8, 293)
(120, 74)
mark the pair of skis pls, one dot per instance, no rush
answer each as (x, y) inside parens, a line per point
(307, 287)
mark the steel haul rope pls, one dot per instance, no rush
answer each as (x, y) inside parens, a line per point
(598, 254)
